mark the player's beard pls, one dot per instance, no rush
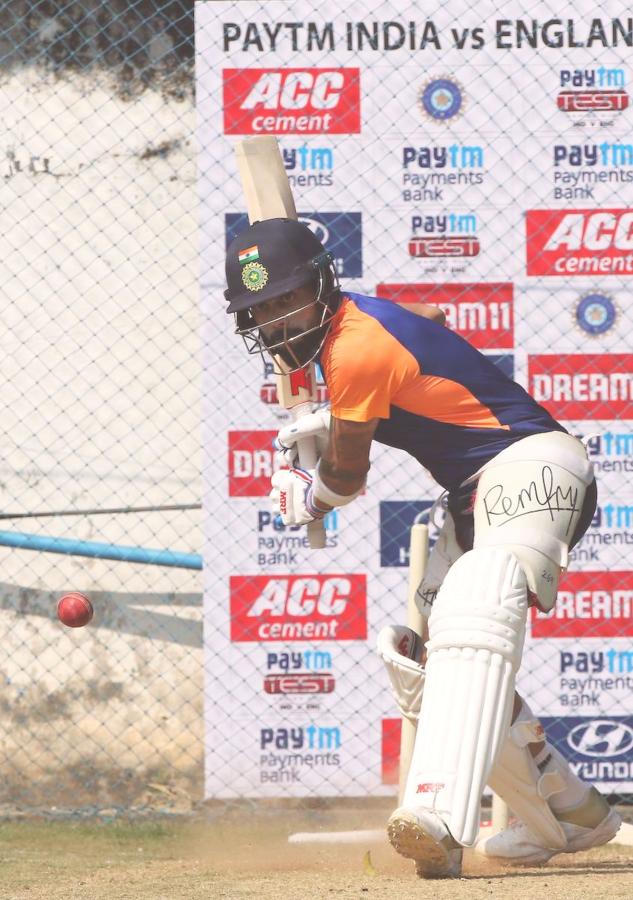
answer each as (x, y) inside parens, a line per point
(297, 349)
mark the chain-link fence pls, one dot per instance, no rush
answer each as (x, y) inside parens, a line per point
(101, 406)
(425, 186)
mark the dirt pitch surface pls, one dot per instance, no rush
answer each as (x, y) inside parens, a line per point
(248, 856)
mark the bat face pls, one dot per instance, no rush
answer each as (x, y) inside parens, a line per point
(264, 180)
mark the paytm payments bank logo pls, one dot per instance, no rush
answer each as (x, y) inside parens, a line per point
(429, 171)
(340, 233)
(582, 171)
(611, 451)
(308, 166)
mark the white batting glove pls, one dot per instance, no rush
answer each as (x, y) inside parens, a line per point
(291, 497)
(316, 424)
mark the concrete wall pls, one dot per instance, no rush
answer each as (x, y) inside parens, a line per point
(100, 407)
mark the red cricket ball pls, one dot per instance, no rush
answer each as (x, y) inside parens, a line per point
(74, 610)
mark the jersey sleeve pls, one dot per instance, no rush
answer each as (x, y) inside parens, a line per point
(365, 369)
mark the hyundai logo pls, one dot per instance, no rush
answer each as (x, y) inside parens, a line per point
(604, 737)
(317, 227)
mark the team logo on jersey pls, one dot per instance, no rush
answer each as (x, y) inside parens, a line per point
(254, 276)
(596, 314)
(442, 99)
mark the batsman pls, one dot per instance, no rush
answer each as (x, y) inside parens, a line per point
(520, 492)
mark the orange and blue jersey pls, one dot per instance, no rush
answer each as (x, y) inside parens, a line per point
(437, 397)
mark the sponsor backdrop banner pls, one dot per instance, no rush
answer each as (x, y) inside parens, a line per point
(477, 158)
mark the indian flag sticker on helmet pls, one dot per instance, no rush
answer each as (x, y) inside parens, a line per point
(254, 276)
(248, 255)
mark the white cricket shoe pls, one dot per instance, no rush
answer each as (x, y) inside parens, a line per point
(518, 846)
(424, 838)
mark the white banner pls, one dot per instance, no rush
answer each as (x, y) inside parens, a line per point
(459, 156)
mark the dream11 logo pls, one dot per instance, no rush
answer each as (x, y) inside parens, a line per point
(583, 386)
(589, 605)
(482, 313)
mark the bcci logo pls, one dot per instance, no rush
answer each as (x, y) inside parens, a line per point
(442, 99)
(254, 276)
(595, 314)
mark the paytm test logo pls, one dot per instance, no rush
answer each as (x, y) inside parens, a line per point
(598, 90)
(340, 233)
(446, 235)
(301, 672)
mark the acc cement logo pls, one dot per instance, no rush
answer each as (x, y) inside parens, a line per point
(603, 737)
(596, 314)
(442, 99)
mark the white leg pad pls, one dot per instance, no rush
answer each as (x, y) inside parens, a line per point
(476, 629)
(516, 778)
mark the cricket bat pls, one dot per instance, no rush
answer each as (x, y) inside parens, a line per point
(418, 553)
(268, 196)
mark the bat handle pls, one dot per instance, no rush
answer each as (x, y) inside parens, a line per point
(307, 460)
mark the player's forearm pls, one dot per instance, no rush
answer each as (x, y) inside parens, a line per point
(340, 479)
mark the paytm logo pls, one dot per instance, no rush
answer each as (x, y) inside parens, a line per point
(601, 77)
(396, 519)
(615, 662)
(603, 154)
(309, 737)
(308, 159)
(456, 156)
(613, 516)
(339, 232)
(306, 660)
(610, 443)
